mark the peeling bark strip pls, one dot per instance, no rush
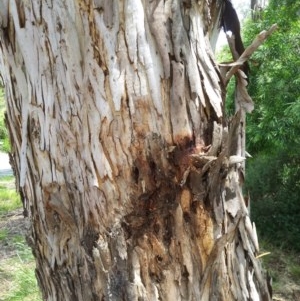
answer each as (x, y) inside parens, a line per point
(128, 171)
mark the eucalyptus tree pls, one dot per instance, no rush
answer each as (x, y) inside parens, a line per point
(128, 169)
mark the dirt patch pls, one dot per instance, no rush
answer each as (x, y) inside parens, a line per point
(13, 226)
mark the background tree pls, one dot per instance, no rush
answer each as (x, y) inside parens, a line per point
(127, 168)
(274, 127)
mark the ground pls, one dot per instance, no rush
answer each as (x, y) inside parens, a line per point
(17, 267)
(12, 225)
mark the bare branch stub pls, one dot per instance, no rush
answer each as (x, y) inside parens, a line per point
(260, 38)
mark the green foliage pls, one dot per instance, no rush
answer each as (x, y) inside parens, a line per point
(274, 80)
(273, 129)
(4, 141)
(225, 56)
(274, 185)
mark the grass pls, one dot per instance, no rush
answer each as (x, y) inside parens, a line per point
(9, 199)
(295, 272)
(284, 268)
(3, 234)
(17, 265)
(18, 277)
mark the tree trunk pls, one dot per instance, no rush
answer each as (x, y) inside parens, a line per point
(127, 168)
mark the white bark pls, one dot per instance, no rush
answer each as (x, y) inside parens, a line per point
(107, 101)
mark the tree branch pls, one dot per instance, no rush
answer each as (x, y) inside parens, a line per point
(260, 38)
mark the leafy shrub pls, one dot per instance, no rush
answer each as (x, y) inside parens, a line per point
(274, 185)
(273, 129)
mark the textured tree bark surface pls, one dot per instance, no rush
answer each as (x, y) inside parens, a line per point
(128, 170)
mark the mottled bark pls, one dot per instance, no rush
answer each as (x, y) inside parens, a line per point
(127, 168)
